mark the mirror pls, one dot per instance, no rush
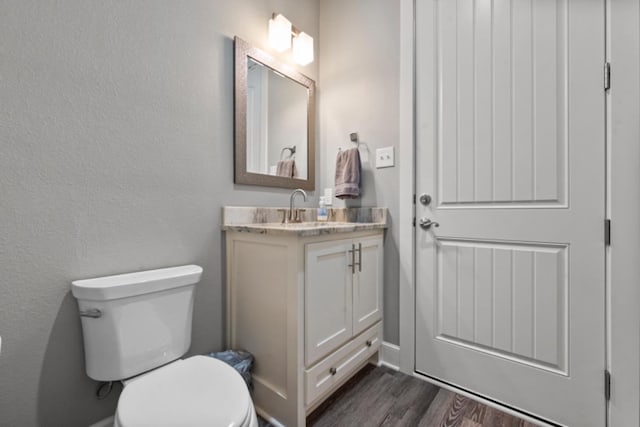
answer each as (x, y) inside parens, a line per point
(274, 122)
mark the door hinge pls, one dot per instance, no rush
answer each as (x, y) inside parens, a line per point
(607, 76)
(607, 232)
(414, 221)
(414, 199)
(607, 385)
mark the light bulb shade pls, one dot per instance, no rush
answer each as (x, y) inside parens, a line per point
(303, 49)
(280, 33)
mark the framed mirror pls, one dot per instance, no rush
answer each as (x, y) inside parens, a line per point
(274, 121)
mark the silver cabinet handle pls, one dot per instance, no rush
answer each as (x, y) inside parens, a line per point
(352, 251)
(426, 223)
(92, 312)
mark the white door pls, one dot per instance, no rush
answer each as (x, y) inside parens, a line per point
(367, 283)
(511, 147)
(328, 297)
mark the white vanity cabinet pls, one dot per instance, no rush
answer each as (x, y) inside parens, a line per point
(309, 308)
(343, 292)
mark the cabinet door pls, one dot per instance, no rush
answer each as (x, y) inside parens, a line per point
(328, 298)
(367, 283)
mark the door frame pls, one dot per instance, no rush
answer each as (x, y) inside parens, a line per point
(622, 201)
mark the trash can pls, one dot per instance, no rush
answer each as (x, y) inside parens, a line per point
(240, 360)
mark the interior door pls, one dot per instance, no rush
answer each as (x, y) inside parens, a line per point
(510, 125)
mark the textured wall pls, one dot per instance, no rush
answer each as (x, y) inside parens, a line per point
(116, 154)
(359, 92)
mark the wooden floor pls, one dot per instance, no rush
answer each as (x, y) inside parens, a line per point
(378, 396)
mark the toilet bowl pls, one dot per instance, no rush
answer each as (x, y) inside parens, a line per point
(197, 391)
(136, 326)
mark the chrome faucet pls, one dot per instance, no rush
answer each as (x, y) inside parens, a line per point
(295, 218)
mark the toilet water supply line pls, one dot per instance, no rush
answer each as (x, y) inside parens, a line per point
(104, 389)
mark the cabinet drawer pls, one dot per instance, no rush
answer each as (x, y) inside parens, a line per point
(341, 363)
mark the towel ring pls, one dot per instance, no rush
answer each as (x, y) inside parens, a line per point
(292, 149)
(353, 136)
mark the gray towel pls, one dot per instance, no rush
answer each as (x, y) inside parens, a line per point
(348, 172)
(287, 168)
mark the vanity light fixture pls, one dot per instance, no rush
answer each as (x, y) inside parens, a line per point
(303, 48)
(281, 32)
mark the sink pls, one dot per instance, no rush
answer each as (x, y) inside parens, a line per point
(309, 224)
(310, 228)
(268, 221)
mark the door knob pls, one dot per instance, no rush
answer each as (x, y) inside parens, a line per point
(425, 199)
(426, 223)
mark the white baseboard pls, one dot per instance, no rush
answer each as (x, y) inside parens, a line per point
(107, 422)
(390, 355)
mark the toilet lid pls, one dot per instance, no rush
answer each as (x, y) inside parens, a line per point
(198, 391)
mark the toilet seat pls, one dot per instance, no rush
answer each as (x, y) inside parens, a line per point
(194, 392)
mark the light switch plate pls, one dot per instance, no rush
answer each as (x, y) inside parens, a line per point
(385, 157)
(328, 196)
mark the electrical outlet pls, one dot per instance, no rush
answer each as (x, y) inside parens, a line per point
(385, 157)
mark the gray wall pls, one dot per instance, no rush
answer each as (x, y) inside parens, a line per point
(116, 154)
(359, 92)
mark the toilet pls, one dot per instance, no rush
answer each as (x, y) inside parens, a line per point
(136, 328)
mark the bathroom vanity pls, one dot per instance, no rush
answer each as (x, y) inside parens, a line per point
(306, 300)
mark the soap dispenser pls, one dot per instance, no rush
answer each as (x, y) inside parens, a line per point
(322, 210)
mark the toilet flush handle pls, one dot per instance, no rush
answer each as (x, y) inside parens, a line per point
(92, 312)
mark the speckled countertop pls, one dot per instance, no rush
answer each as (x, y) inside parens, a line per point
(269, 221)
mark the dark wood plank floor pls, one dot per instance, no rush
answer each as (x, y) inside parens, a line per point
(378, 396)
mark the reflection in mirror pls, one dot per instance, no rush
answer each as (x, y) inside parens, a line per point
(274, 122)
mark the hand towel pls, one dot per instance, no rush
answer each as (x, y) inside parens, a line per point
(287, 168)
(348, 172)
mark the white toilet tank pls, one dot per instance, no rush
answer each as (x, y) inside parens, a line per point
(135, 322)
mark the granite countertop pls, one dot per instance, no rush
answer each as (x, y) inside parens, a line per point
(269, 221)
